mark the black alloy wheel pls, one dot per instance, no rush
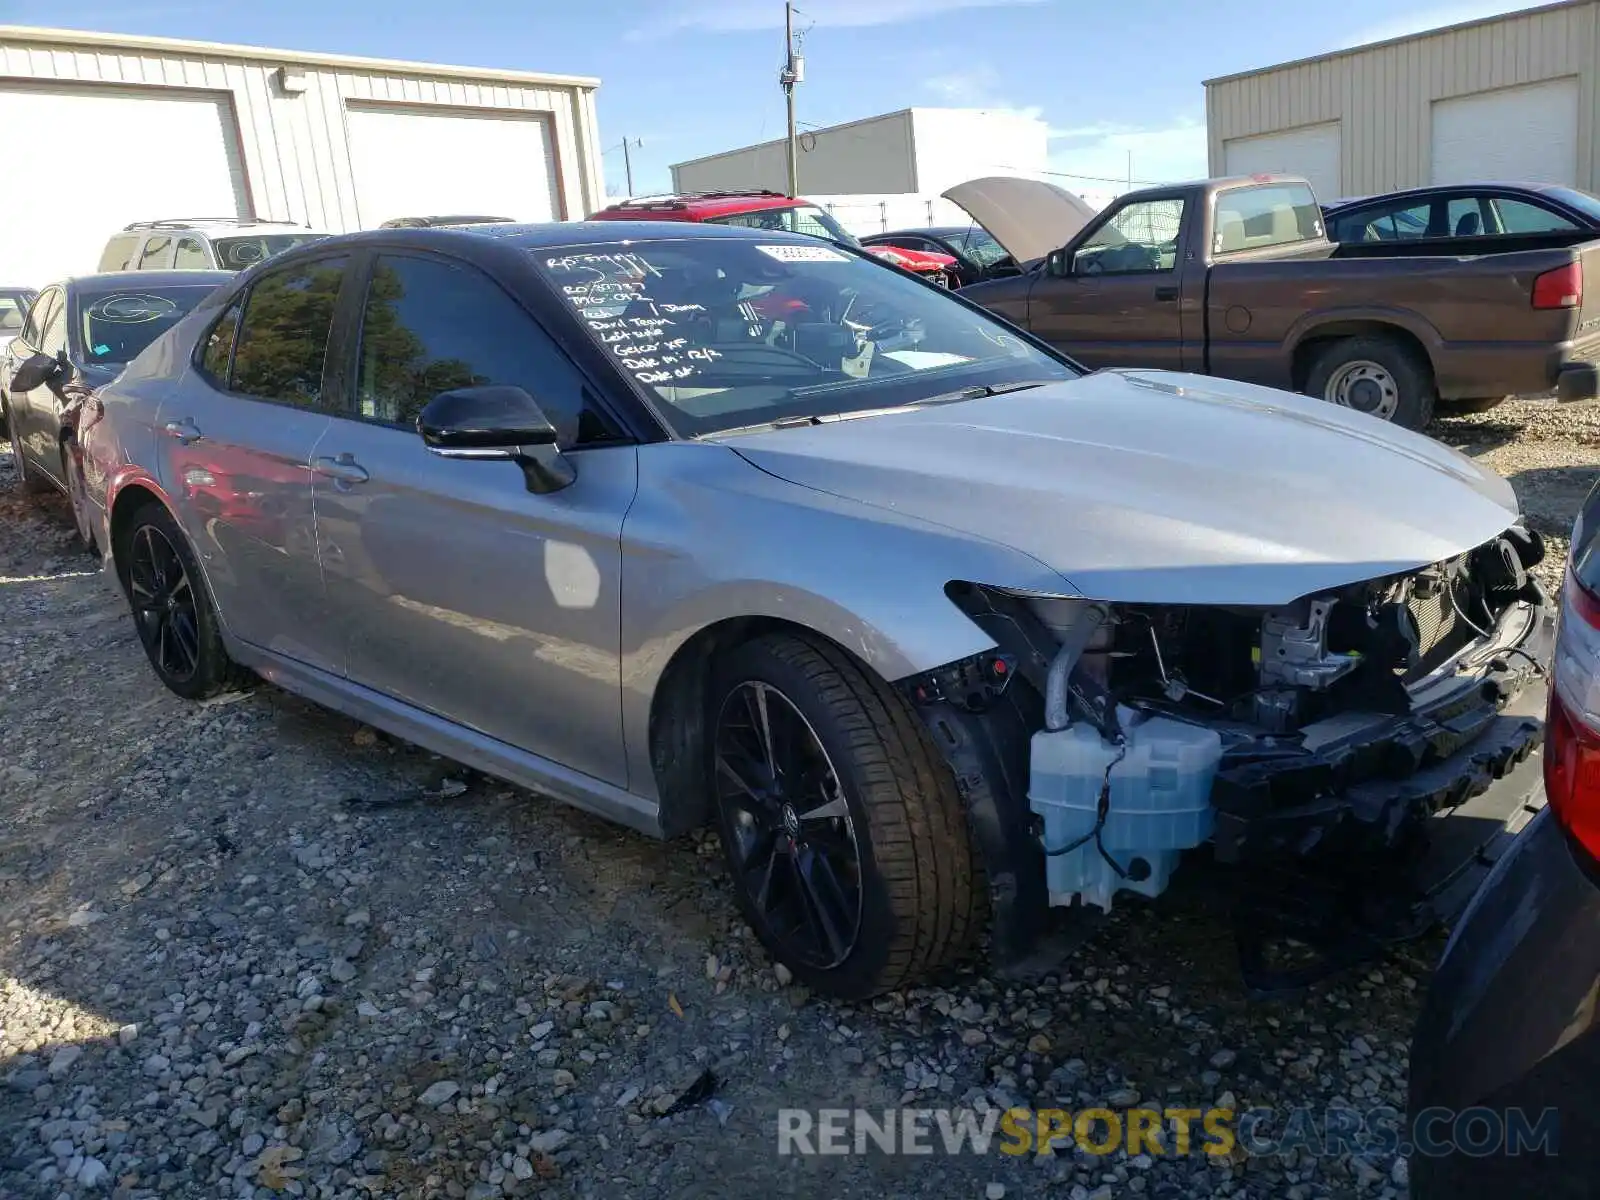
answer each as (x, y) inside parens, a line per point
(793, 844)
(164, 607)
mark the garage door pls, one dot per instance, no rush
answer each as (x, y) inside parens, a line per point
(1311, 150)
(1527, 134)
(418, 162)
(126, 154)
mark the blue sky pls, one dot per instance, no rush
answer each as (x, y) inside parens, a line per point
(692, 77)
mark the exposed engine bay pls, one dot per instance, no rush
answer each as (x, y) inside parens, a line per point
(1310, 745)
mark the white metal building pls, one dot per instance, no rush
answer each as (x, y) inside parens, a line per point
(150, 128)
(1510, 98)
(896, 163)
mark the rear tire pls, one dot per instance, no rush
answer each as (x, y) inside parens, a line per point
(868, 882)
(28, 482)
(1378, 375)
(172, 608)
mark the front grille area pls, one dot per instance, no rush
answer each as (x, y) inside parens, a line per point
(1441, 630)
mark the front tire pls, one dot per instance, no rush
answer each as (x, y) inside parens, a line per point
(843, 830)
(1379, 376)
(172, 609)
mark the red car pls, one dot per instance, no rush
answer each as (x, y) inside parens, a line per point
(775, 211)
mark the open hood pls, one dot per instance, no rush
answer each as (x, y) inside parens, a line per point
(1028, 217)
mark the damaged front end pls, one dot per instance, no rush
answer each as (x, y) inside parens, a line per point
(1315, 746)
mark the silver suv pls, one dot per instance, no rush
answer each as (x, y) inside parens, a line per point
(201, 244)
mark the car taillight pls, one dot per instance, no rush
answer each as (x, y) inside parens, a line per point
(1572, 736)
(1561, 288)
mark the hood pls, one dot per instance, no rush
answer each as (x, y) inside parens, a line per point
(1028, 217)
(1155, 487)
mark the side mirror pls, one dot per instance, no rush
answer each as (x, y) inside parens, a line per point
(1058, 263)
(36, 371)
(496, 422)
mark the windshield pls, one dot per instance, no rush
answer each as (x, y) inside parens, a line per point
(979, 245)
(799, 218)
(237, 253)
(727, 333)
(1583, 202)
(118, 325)
(13, 308)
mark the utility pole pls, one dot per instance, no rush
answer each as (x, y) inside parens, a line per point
(627, 162)
(794, 70)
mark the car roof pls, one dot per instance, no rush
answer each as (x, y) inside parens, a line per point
(1436, 189)
(700, 205)
(549, 234)
(928, 231)
(217, 225)
(134, 280)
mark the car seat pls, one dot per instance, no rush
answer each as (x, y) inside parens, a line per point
(1469, 225)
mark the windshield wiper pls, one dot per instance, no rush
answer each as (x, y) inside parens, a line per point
(976, 392)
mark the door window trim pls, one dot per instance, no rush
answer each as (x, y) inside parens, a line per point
(593, 395)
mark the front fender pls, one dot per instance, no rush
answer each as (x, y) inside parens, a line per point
(712, 539)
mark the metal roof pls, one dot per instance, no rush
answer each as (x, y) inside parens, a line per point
(1395, 41)
(127, 41)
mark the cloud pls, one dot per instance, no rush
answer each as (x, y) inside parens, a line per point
(1099, 153)
(1424, 19)
(976, 87)
(743, 16)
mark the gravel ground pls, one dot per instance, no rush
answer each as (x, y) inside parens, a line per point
(251, 948)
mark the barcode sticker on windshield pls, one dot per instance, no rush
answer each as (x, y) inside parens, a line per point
(804, 253)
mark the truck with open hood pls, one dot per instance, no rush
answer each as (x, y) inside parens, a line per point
(1236, 277)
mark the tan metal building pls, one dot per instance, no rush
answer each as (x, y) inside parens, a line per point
(152, 128)
(1510, 98)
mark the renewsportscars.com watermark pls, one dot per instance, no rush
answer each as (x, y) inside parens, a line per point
(1163, 1132)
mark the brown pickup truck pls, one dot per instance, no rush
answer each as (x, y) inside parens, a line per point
(1235, 277)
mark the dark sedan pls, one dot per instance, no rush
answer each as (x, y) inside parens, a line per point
(978, 256)
(78, 336)
(1505, 1063)
(1466, 210)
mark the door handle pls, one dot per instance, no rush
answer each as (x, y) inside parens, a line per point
(183, 430)
(344, 469)
(1166, 293)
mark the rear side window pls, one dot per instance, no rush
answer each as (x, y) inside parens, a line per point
(282, 343)
(191, 256)
(1272, 214)
(156, 254)
(429, 326)
(119, 253)
(1518, 216)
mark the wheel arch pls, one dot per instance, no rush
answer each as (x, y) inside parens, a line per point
(127, 494)
(1315, 333)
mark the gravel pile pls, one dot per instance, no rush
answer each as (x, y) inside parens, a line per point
(251, 949)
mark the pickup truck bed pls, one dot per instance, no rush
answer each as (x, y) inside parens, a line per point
(1235, 278)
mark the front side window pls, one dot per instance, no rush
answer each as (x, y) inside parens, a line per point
(724, 333)
(283, 339)
(191, 256)
(39, 316)
(53, 337)
(216, 352)
(1518, 216)
(1140, 237)
(430, 326)
(796, 218)
(117, 325)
